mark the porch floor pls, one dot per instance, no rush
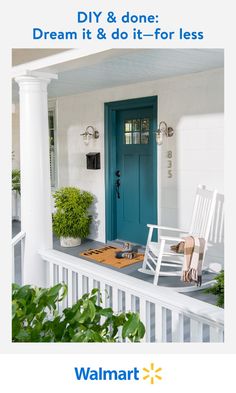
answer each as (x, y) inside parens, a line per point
(131, 270)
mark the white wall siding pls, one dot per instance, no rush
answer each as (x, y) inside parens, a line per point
(192, 104)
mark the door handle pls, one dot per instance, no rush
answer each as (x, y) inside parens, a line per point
(118, 188)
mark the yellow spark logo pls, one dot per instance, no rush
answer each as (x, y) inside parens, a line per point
(152, 373)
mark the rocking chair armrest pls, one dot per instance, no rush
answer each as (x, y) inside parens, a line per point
(173, 239)
(166, 228)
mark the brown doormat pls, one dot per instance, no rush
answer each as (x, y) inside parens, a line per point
(107, 255)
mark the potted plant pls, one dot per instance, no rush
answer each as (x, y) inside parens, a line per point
(16, 180)
(71, 221)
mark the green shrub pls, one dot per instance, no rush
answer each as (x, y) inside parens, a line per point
(35, 318)
(218, 289)
(72, 217)
(16, 180)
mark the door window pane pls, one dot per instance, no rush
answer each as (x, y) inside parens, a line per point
(136, 125)
(136, 138)
(145, 124)
(128, 138)
(128, 126)
(144, 138)
(136, 131)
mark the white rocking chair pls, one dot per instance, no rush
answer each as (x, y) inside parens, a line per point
(203, 212)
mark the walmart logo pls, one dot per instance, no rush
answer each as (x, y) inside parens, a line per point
(150, 374)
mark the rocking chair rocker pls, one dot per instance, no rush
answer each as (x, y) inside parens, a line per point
(201, 221)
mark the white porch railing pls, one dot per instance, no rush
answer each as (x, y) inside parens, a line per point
(168, 316)
(18, 241)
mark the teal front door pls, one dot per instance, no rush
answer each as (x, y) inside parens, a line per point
(133, 171)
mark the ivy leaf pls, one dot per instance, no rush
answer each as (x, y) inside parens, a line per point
(14, 309)
(131, 326)
(141, 330)
(79, 337)
(35, 318)
(23, 335)
(54, 291)
(105, 312)
(91, 310)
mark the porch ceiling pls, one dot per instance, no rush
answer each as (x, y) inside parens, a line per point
(119, 67)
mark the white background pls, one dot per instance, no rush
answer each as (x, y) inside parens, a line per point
(187, 372)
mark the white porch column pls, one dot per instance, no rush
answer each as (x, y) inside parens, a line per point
(35, 175)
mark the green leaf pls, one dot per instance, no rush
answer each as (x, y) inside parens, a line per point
(131, 325)
(54, 291)
(94, 291)
(141, 330)
(92, 310)
(218, 289)
(14, 309)
(23, 335)
(105, 312)
(79, 337)
(35, 318)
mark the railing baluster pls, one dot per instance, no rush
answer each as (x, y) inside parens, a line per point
(74, 287)
(103, 293)
(148, 321)
(121, 307)
(116, 307)
(164, 325)
(115, 300)
(177, 326)
(196, 329)
(22, 259)
(51, 274)
(90, 284)
(128, 308)
(158, 322)
(80, 285)
(216, 334)
(133, 303)
(54, 274)
(128, 301)
(65, 280)
(142, 314)
(60, 280)
(60, 274)
(103, 301)
(70, 288)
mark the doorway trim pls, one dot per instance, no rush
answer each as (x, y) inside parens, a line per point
(110, 116)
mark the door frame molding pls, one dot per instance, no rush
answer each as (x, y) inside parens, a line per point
(110, 116)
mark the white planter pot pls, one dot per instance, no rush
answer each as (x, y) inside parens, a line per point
(70, 241)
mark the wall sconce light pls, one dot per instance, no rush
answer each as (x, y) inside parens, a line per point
(163, 130)
(89, 133)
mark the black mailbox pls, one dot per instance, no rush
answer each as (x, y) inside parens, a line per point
(93, 160)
